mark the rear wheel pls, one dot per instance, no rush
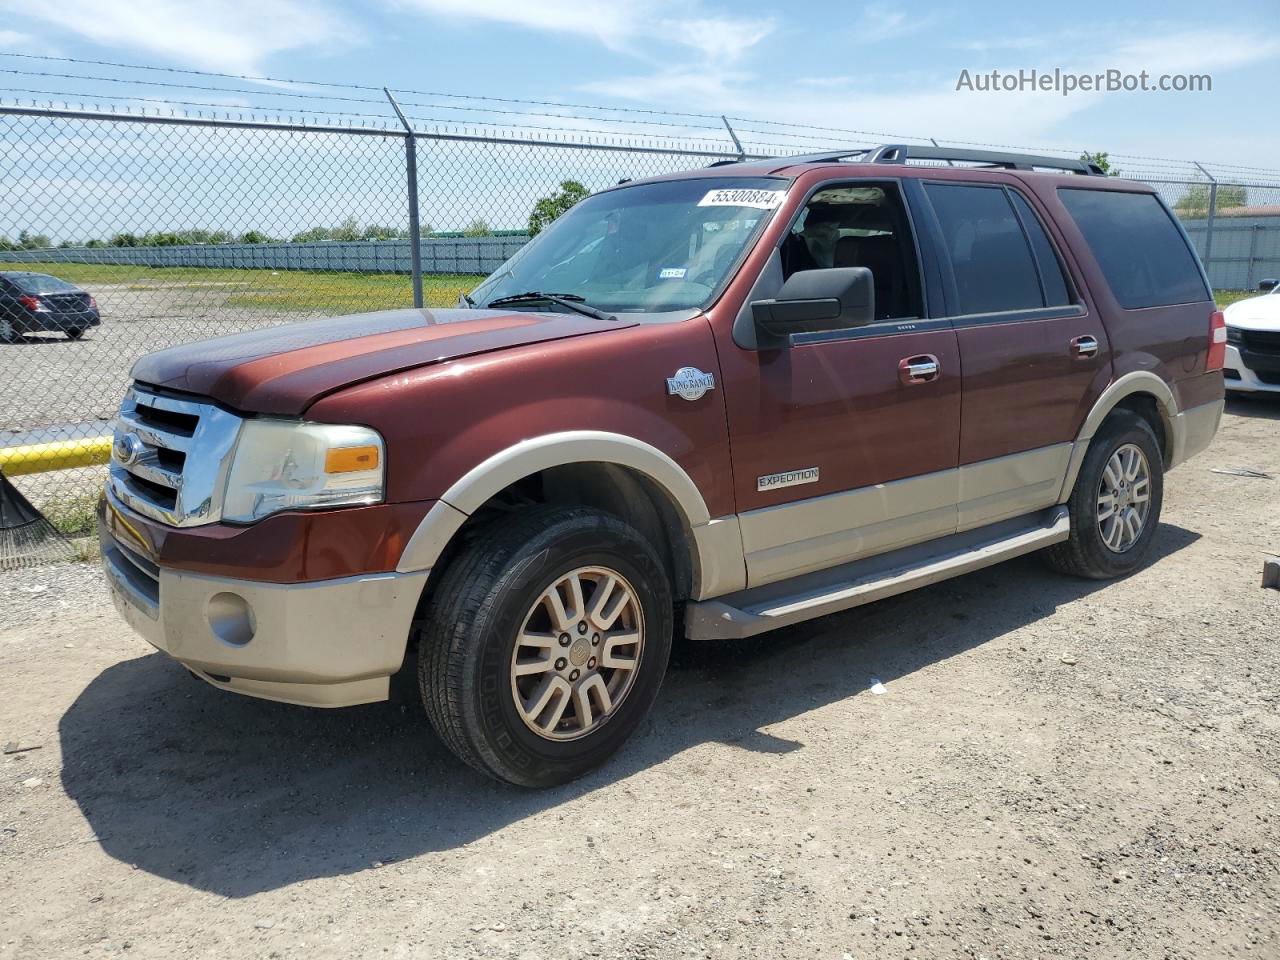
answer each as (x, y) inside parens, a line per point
(544, 644)
(74, 333)
(1115, 505)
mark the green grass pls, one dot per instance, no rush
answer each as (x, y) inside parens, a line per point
(1226, 298)
(305, 291)
(278, 290)
(74, 516)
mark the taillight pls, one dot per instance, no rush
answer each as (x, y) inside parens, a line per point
(93, 302)
(1216, 358)
(33, 303)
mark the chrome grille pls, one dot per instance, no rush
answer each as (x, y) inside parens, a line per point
(170, 455)
(134, 574)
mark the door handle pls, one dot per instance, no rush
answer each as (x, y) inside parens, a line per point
(920, 369)
(1085, 346)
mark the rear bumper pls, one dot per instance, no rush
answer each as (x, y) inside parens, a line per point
(54, 322)
(1194, 429)
(327, 643)
(1248, 380)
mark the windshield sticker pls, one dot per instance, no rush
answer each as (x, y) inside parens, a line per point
(759, 199)
(672, 273)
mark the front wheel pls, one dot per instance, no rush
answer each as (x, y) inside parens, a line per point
(544, 644)
(1115, 504)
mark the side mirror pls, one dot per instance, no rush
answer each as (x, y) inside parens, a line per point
(1266, 286)
(813, 301)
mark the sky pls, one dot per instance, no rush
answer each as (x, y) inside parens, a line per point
(876, 67)
(885, 70)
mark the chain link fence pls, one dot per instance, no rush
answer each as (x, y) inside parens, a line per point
(182, 228)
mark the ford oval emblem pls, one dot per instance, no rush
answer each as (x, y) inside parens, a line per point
(128, 449)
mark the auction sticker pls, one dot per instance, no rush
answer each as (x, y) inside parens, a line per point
(759, 199)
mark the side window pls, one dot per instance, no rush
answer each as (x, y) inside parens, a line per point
(1056, 293)
(860, 225)
(1143, 255)
(992, 263)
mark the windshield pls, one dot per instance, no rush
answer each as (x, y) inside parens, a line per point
(645, 249)
(40, 283)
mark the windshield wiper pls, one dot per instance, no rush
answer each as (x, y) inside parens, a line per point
(570, 301)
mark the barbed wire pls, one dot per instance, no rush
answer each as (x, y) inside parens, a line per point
(780, 127)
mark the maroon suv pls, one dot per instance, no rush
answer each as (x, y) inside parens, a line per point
(754, 394)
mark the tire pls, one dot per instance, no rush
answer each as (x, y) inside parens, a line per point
(1087, 553)
(497, 588)
(8, 333)
(74, 333)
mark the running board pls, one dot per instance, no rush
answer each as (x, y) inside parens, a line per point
(749, 612)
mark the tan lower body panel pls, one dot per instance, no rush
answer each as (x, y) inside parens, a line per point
(792, 539)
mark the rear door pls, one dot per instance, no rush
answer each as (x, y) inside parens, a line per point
(1034, 355)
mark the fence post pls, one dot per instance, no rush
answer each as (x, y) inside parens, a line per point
(1253, 253)
(1208, 223)
(411, 177)
(742, 155)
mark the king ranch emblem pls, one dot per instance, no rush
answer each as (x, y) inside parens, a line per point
(690, 383)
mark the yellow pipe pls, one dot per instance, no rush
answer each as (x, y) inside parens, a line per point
(62, 455)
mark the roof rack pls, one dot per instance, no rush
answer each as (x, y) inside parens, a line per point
(901, 152)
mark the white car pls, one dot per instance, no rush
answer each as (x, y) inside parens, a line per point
(1253, 342)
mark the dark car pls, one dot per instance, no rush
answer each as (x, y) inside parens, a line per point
(39, 303)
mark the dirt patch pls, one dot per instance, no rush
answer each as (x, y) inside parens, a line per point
(1055, 768)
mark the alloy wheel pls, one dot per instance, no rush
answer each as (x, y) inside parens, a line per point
(578, 653)
(1124, 498)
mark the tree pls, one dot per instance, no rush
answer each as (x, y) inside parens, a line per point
(376, 231)
(349, 229)
(314, 235)
(32, 241)
(1103, 161)
(125, 240)
(548, 208)
(1194, 204)
(478, 228)
(253, 236)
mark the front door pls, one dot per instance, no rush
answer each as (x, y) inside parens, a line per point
(845, 444)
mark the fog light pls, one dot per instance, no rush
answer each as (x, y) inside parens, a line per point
(231, 619)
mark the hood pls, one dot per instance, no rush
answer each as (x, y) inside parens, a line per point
(1256, 313)
(283, 370)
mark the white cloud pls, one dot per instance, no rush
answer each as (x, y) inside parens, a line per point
(230, 35)
(12, 40)
(923, 106)
(879, 23)
(618, 24)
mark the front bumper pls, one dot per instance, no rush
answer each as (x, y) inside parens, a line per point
(1250, 375)
(327, 643)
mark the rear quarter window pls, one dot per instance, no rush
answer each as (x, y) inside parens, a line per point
(1143, 255)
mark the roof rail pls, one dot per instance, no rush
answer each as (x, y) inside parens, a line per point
(901, 152)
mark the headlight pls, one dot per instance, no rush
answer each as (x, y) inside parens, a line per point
(286, 465)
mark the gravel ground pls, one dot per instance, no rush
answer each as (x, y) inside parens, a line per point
(82, 381)
(1055, 768)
